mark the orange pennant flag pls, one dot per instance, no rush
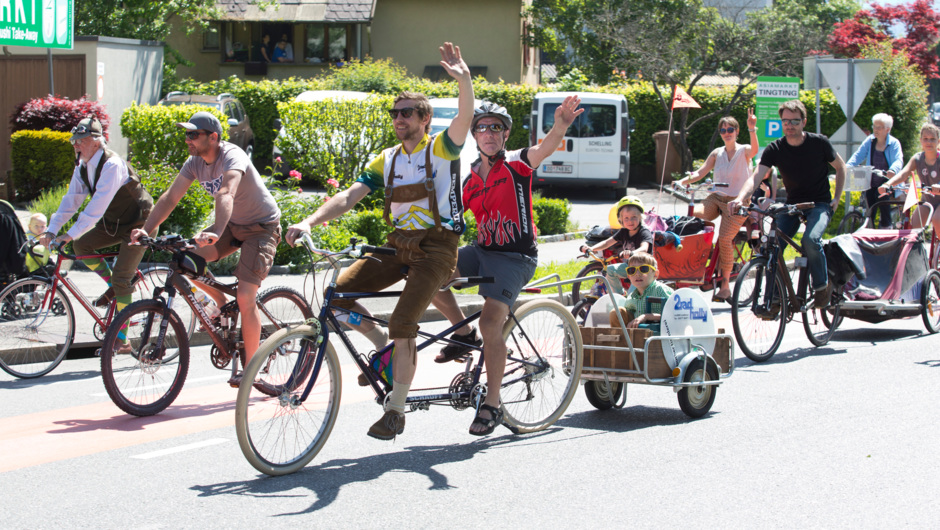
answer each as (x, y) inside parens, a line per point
(681, 99)
(912, 197)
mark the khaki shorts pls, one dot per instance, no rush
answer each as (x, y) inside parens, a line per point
(258, 243)
(426, 275)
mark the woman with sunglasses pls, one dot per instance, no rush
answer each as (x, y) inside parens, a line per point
(732, 164)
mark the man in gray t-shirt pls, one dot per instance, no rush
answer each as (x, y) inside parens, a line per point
(245, 215)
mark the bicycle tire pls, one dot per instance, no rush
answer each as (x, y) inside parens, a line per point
(850, 222)
(581, 310)
(278, 434)
(817, 323)
(930, 302)
(600, 396)
(759, 337)
(543, 368)
(26, 315)
(595, 267)
(141, 383)
(287, 306)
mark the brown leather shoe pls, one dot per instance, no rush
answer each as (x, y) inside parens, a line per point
(822, 296)
(105, 298)
(391, 425)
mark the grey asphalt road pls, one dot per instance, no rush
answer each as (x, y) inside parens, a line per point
(841, 436)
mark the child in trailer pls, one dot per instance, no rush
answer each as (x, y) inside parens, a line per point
(632, 236)
(37, 225)
(641, 269)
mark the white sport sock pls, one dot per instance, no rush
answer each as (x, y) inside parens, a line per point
(378, 336)
(396, 401)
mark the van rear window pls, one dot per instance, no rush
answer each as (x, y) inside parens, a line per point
(597, 120)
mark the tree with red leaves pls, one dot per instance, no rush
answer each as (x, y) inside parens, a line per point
(921, 26)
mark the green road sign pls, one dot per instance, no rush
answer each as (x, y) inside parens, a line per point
(37, 23)
(771, 92)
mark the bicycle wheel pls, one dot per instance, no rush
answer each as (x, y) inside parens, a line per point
(283, 307)
(146, 380)
(155, 276)
(595, 267)
(37, 327)
(582, 308)
(930, 301)
(818, 324)
(758, 332)
(544, 365)
(851, 222)
(281, 434)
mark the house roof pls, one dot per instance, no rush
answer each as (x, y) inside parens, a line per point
(299, 11)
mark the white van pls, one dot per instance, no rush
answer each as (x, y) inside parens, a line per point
(596, 148)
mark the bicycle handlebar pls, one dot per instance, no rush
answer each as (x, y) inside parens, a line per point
(778, 208)
(353, 251)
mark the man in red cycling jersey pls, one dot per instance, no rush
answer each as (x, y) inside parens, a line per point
(499, 193)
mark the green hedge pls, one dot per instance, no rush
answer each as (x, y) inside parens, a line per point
(193, 212)
(334, 139)
(153, 138)
(551, 215)
(41, 160)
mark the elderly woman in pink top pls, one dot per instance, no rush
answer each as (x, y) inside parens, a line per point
(732, 166)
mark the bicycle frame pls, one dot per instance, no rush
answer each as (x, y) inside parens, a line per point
(59, 279)
(773, 251)
(416, 401)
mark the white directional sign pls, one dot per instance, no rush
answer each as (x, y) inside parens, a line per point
(37, 23)
(838, 75)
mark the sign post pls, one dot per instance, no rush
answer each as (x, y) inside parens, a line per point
(37, 23)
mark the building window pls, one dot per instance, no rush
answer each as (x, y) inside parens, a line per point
(210, 38)
(326, 43)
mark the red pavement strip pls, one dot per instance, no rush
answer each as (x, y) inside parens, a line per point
(43, 437)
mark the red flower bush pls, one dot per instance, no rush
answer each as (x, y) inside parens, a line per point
(57, 113)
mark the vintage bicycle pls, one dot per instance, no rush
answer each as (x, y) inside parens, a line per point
(38, 322)
(149, 378)
(289, 397)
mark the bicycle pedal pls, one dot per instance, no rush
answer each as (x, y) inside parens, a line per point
(462, 359)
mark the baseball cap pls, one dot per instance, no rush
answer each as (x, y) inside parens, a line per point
(205, 121)
(87, 127)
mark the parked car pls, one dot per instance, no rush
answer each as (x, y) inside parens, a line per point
(596, 149)
(935, 114)
(239, 132)
(445, 109)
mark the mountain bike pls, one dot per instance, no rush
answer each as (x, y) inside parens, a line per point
(289, 397)
(765, 299)
(148, 378)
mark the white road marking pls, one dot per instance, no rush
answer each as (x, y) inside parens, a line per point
(181, 448)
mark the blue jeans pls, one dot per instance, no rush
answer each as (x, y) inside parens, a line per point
(817, 219)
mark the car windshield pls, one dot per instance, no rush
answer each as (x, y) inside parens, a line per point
(445, 112)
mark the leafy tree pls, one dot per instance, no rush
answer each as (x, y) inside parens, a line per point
(141, 19)
(921, 25)
(677, 42)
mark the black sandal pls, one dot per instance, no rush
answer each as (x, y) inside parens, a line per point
(489, 425)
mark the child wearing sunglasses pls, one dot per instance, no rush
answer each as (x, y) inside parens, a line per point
(632, 237)
(641, 269)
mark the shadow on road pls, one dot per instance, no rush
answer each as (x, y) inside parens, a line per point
(327, 479)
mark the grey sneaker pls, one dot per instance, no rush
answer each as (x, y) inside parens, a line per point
(390, 425)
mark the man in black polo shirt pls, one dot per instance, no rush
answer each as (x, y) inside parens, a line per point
(802, 159)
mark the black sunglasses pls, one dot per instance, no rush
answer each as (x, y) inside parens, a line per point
(494, 127)
(192, 135)
(728, 130)
(405, 112)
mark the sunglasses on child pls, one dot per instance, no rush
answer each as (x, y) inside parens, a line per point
(405, 112)
(644, 269)
(727, 131)
(493, 127)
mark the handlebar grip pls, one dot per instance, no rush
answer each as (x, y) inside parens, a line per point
(378, 250)
(480, 279)
(804, 205)
(721, 184)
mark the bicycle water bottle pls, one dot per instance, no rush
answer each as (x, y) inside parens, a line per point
(212, 310)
